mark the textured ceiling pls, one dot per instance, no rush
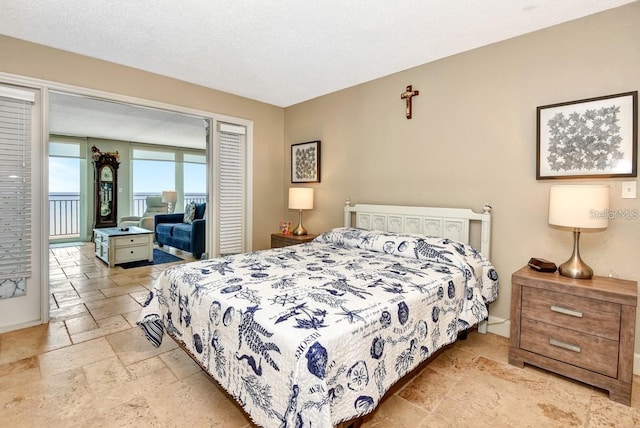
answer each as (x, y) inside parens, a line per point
(280, 52)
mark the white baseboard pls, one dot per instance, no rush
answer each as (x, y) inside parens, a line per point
(499, 326)
(13, 327)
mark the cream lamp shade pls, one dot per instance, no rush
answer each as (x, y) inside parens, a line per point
(171, 197)
(578, 207)
(300, 198)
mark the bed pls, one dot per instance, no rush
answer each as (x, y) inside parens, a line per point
(313, 335)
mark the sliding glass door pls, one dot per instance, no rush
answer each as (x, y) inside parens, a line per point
(194, 177)
(158, 168)
(152, 171)
(67, 182)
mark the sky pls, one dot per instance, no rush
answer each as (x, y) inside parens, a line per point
(64, 177)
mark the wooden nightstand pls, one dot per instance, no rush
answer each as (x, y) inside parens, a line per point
(582, 329)
(279, 240)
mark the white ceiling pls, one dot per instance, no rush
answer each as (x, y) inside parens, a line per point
(280, 52)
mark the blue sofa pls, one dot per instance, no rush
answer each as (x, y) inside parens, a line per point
(171, 230)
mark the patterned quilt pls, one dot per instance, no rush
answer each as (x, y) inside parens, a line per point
(313, 335)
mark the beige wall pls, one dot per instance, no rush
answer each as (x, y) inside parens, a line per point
(472, 140)
(31, 60)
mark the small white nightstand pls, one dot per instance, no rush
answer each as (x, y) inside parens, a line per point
(115, 246)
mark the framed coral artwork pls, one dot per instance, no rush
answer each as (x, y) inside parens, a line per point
(305, 162)
(595, 137)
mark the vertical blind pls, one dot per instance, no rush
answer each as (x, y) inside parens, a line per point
(15, 190)
(231, 191)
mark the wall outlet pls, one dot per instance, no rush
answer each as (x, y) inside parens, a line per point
(628, 190)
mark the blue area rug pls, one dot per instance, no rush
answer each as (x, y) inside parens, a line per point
(159, 257)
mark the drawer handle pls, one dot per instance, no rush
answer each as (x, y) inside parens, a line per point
(564, 345)
(561, 310)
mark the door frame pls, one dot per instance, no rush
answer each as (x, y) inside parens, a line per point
(44, 86)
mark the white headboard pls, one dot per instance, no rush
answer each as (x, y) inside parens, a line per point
(450, 223)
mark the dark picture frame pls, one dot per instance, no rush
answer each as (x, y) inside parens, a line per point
(305, 162)
(590, 138)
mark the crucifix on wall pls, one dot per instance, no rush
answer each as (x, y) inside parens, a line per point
(407, 95)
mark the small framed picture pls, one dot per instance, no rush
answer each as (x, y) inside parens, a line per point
(595, 137)
(305, 162)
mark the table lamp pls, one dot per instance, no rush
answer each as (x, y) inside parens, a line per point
(578, 207)
(300, 198)
(170, 197)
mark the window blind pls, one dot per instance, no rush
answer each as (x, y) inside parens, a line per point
(231, 192)
(171, 154)
(155, 154)
(192, 157)
(67, 147)
(15, 190)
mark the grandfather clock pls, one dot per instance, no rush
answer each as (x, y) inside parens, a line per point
(106, 188)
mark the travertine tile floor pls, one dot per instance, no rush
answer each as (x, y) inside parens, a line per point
(90, 366)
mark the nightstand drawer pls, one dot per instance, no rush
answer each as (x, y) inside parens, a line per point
(131, 240)
(127, 254)
(582, 350)
(582, 314)
(279, 243)
(279, 240)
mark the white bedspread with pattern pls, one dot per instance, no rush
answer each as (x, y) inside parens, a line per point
(314, 334)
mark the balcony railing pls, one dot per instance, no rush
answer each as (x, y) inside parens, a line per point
(64, 211)
(64, 215)
(140, 201)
